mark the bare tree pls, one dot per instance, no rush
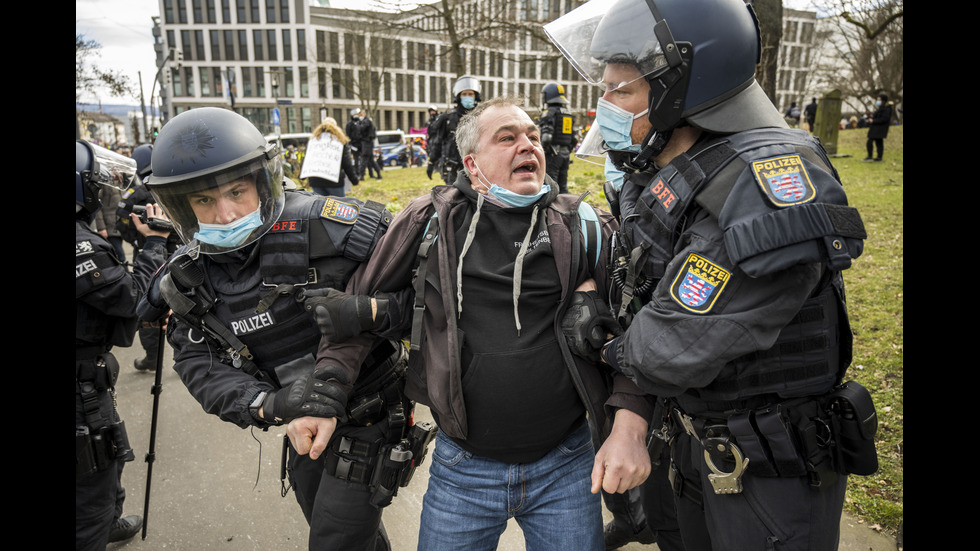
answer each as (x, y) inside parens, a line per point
(91, 79)
(495, 24)
(368, 52)
(863, 51)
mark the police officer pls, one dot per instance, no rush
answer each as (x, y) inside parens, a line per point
(443, 152)
(244, 288)
(134, 198)
(735, 230)
(353, 131)
(366, 134)
(106, 295)
(557, 135)
(431, 143)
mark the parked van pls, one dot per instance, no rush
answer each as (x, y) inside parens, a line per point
(385, 140)
(298, 139)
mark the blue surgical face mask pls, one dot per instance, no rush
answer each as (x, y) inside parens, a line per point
(231, 234)
(505, 197)
(615, 124)
(614, 175)
(468, 102)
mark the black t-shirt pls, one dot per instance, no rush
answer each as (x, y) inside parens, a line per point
(519, 396)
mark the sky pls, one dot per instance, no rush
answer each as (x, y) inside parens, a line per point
(124, 30)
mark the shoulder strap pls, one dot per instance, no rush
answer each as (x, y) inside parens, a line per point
(590, 231)
(428, 238)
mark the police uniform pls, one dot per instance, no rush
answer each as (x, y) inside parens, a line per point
(106, 296)
(730, 261)
(557, 123)
(316, 243)
(444, 149)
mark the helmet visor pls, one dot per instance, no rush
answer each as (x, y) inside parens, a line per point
(592, 149)
(112, 169)
(253, 189)
(600, 32)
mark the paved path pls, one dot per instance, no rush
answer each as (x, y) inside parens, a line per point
(216, 486)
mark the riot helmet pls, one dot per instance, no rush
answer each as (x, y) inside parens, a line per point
(96, 166)
(217, 179)
(142, 155)
(553, 94)
(698, 57)
(464, 83)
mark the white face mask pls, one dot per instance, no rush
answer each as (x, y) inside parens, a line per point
(504, 197)
(616, 125)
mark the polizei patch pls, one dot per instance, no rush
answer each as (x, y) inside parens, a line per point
(338, 211)
(251, 324)
(698, 284)
(784, 180)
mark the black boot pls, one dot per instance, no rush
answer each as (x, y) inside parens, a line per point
(125, 528)
(617, 535)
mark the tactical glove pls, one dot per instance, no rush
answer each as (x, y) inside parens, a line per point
(587, 325)
(311, 396)
(341, 316)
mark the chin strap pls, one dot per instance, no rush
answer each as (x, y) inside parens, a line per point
(632, 161)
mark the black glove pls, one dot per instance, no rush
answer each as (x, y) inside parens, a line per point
(587, 325)
(342, 316)
(310, 396)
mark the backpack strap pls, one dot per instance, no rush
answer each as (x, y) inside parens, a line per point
(418, 309)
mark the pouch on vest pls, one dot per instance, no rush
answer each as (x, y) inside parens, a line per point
(854, 423)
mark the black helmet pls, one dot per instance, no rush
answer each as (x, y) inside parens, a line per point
(466, 82)
(553, 94)
(142, 154)
(96, 166)
(208, 154)
(699, 57)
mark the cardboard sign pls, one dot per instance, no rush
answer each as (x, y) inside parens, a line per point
(323, 158)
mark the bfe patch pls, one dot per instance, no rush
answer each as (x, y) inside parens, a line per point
(698, 284)
(338, 211)
(784, 180)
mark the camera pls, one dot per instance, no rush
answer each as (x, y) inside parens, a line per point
(157, 224)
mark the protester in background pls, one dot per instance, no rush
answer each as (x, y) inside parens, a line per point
(878, 125)
(329, 129)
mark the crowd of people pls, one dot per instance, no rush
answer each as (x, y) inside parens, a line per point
(680, 358)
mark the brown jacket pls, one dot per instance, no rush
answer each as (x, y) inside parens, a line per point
(434, 369)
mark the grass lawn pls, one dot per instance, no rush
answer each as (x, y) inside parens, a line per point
(875, 293)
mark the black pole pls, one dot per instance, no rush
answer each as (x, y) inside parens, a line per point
(151, 453)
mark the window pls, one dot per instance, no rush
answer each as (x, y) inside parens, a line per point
(177, 84)
(229, 45)
(243, 45)
(168, 11)
(270, 11)
(271, 35)
(215, 38)
(304, 83)
(199, 45)
(246, 83)
(254, 11)
(205, 81)
(259, 82)
(212, 18)
(287, 45)
(188, 80)
(284, 11)
(301, 44)
(219, 82)
(240, 11)
(287, 87)
(196, 9)
(257, 45)
(226, 11)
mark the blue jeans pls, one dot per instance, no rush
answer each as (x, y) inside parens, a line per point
(470, 499)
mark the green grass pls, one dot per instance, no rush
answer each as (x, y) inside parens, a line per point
(875, 293)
